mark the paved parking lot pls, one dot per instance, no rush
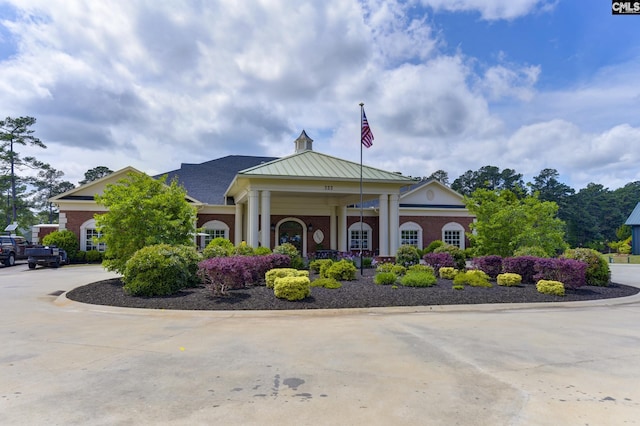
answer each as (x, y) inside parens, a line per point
(67, 363)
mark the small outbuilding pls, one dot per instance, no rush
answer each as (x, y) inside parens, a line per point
(634, 222)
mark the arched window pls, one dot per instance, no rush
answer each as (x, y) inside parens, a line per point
(453, 233)
(411, 234)
(88, 236)
(360, 236)
(213, 229)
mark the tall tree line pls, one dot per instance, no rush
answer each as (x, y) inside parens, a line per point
(27, 184)
(593, 216)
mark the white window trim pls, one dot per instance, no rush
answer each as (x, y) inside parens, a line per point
(357, 227)
(214, 225)
(411, 226)
(89, 224)
(455, 226)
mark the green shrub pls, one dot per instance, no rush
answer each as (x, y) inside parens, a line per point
(64, 239)
(555, 288)
(262, 251)
(509, 279)
(407, 255)
(458, 286)
(93, 256)
(271, 275)
(458, 255)
(432, 246)
(316, 265)
(326, 283)
(81, 257)
(391, 267)
(597, 273)
(218, 247)
(244, 249)
(160, 270)
(342, 270)
(367, 262)
(421, 268)
(418, 279)
(290, 250)
(474, 278)
(447, 272)
(385, 278)
(535, 251)
(292, 288)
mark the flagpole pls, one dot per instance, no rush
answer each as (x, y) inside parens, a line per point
(361, 198)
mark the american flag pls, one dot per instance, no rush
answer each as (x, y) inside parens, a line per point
(366, 135)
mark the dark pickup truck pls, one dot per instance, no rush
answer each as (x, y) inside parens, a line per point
(12, 248)
(46, 256)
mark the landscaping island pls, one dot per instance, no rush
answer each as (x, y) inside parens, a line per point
(359, 293)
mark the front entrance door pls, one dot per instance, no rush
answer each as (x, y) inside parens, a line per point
(290, 232)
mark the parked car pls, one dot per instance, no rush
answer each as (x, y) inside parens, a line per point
(46, 256)
(12, 248)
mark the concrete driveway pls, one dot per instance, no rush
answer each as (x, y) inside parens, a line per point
(67, 363)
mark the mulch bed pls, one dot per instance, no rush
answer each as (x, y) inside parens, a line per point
(361, 293)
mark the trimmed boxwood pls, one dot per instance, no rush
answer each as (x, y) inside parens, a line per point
(160, 270)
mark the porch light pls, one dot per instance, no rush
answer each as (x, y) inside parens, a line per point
(310, 227)
(273, 226)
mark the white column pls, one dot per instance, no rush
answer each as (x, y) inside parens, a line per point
(342, 228)
(265, 219)
(252, 222)
(383, 225)
(237, 239)
(333, 229)
(394, 224)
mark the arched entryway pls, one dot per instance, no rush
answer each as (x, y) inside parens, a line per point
(292, 230)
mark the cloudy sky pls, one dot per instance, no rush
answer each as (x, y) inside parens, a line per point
(447, 84)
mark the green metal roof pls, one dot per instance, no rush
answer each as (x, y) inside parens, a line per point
(634, 218)
(312, 164)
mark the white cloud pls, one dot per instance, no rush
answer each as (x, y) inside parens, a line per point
(154, 84)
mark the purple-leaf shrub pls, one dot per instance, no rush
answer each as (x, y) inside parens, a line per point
(521, 265)
(490, 265)
(570, 272)
(221, 274)
(439, 260)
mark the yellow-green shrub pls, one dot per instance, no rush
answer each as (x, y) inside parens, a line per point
(316, 265)
(555, 288)
(329, 283)
(509, 279)
(271, 275)
(385, 278)
(474, 278)
(447, 272)
(341, 271)
(292, 288)
(421, 268)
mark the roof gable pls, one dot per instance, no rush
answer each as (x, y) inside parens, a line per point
(634, 217)
(431, 193)
(90, 189)
(312, 164)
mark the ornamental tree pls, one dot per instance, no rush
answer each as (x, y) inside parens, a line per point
(505, 223)
(143, 211)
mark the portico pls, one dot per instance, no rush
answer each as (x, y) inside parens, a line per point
(310, 185)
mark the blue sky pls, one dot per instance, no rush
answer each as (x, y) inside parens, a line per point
(452, 85)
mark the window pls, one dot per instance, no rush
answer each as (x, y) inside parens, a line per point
(213, 229)
(359, 236)
(452, 237)
(411, 234)
(88, 236)
(91, 234)
(409, 237)
(453, 233)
